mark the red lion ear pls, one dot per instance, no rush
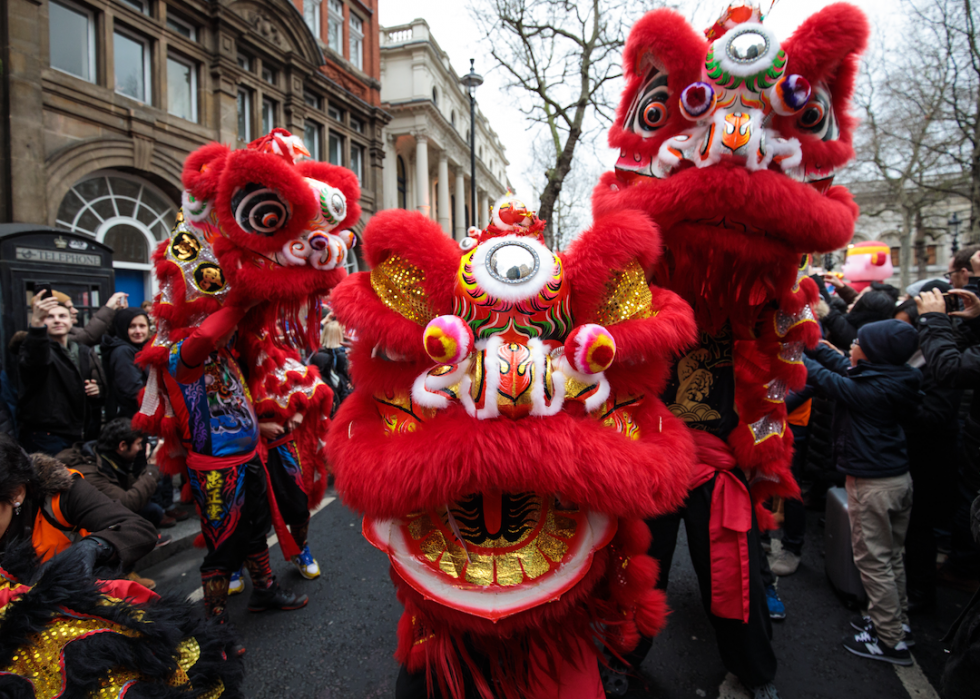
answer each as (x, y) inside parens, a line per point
(202, 170)
(825, 50)
(340, 178)
(663, 54)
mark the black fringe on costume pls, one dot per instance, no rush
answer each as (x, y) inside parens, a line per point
(59, 587)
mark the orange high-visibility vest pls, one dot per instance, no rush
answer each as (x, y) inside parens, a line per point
(52, 532)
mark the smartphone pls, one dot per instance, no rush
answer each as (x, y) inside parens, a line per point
(953, 302)
(40, 289)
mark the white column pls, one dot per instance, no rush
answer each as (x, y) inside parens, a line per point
(422, 174)
(460, 231)
(482, 217)
(442, 194)
(390, 172)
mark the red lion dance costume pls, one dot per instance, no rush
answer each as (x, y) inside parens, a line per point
(504, 441)
(730, 145)
(258, 242)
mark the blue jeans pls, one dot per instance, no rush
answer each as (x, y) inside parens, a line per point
(153, 513)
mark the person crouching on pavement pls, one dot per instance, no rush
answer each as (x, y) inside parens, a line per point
(873, 393)
(116, 465)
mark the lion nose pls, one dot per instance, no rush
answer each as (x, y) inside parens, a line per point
(318, 241)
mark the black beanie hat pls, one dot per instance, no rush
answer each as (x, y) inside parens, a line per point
(888, 342)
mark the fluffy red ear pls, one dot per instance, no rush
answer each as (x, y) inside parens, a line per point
(202, 170)
(662, 44)
(340, 178)
(825, 50)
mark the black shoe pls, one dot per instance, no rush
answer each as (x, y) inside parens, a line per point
(275, 597)
(868, 646)
(162, 540)
(766, 691)
(615, 680)
(863, 623)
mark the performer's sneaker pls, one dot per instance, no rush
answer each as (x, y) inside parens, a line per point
(275, 597)
(868, 646)
(306, 564)
(237, 584)
(777, 610)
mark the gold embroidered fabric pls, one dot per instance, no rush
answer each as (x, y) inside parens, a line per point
(398, 283)
(627, 297)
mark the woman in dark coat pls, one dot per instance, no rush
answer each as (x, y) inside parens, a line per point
(130, 332)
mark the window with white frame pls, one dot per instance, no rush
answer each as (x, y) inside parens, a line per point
(311, 137)
(244, 62)
(357, 161)
(132, 64)
(268, 116)
(357, 125)
(311, 100)
(244, 115)
(185, 29)
(335, 154)
(335, 114)
(138, 5)
(71, 30)
(335, 25)
(311, 13)
(356, 41)
(182, 88)
(269, 75)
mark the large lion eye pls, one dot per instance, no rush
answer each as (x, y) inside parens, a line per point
(648, 111)
(817, 117)
(259, 209)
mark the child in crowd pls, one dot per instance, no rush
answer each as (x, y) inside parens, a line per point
(873, 392)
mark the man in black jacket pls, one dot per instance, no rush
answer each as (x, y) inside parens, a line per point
(60, 387)
(957, 369)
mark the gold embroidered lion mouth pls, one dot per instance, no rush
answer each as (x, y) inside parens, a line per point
(493, 554)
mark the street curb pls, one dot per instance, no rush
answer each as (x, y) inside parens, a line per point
(181, 538)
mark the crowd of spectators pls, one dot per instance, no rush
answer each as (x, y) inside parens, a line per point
(895, 379)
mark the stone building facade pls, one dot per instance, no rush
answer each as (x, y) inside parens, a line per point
(427, 151)
(932, 246)
(104, 100)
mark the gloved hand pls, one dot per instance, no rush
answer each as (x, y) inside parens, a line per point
(91, 551)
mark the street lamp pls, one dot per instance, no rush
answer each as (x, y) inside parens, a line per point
(471, 81)
(954, 231)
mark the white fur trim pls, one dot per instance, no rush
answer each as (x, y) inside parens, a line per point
(425, 398)
(539, 407)
(594, 401)
(513, 292)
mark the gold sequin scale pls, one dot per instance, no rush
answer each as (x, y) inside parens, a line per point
(627, 297)
(398, 283)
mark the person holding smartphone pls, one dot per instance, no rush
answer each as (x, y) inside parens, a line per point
(956, 368)
(60, 381)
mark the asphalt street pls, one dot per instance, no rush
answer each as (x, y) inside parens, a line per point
(340, 646)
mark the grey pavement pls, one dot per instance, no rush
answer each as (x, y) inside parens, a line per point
(340, 646)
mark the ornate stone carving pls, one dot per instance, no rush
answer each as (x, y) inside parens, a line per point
(266, 27)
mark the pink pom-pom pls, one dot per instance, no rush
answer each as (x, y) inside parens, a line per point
(590, 349)
(448, 340)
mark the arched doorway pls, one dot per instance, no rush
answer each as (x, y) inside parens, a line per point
(127, 213)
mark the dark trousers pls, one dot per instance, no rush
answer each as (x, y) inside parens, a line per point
(45, 442)
(152, 512)
(932, 466)
(286, 477)
(794, 514)
(745, 648)
(235, 516)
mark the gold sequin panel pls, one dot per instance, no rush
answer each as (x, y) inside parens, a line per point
(628, 296)
(398, 284)
(485, 563)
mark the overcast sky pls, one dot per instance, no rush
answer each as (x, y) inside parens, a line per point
(456, 33)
